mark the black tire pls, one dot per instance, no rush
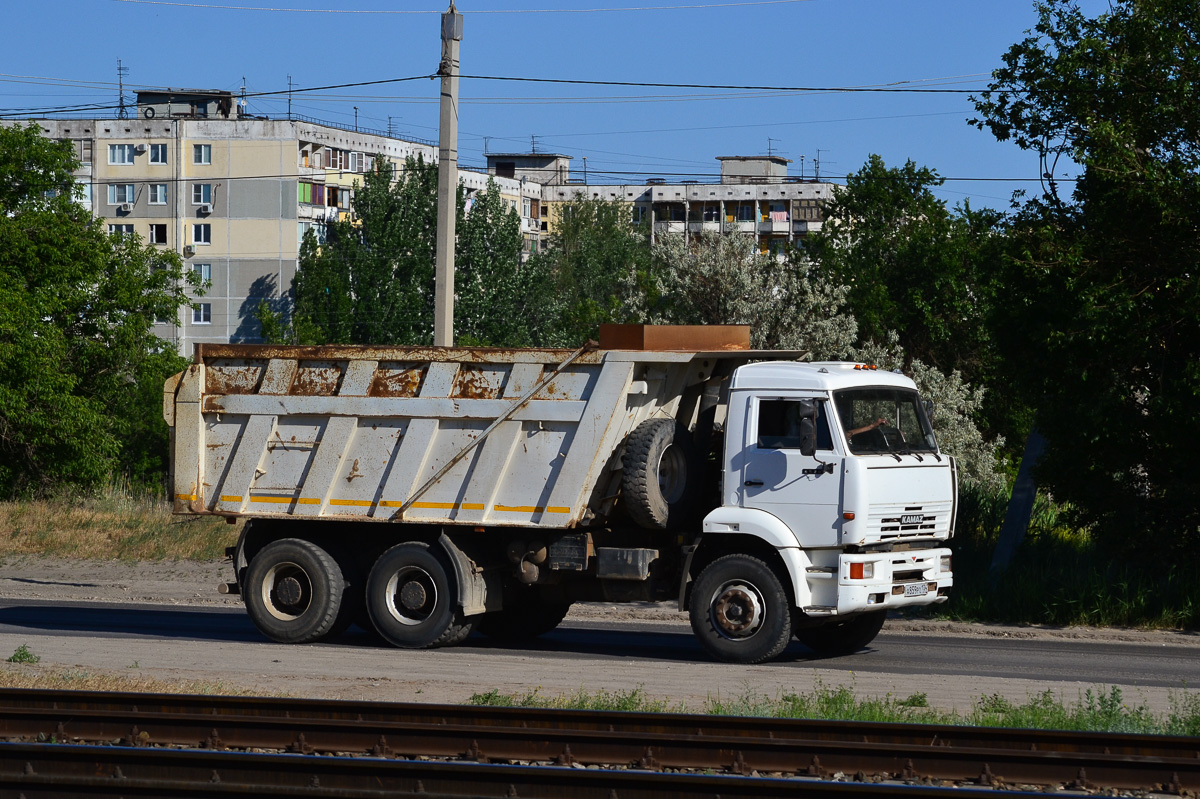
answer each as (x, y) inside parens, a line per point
(842, 637)
(524, 620)
(412, 598)
(740, 610)
(659, 474)
(293, 591)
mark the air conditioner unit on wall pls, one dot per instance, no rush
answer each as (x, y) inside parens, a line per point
(139, 148)
(125, 207)
(188, 251)
(205, 208)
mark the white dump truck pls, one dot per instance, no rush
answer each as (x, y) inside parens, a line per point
(431, 492)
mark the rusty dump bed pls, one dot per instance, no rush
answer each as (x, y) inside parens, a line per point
(435, 435)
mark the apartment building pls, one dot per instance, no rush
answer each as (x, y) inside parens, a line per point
(755, 196)
(235, 194)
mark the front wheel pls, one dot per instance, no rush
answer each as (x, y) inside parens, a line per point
(411, 598)
(293, 591)
(740, 611)
(842, 637)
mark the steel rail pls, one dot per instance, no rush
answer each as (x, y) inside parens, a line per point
(65, 772)
(648, 741)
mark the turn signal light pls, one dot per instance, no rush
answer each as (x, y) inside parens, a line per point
(862, 571)
(848, 515)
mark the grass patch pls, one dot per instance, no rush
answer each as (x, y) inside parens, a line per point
(23, 655)
(1101, 709)
(1059, 576)
(120, 524)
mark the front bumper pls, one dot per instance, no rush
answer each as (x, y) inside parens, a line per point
(897, 580)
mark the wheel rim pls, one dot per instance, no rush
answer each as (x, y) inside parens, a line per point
(737, 610)
(672, 474)
(412, 595)
(287, 591)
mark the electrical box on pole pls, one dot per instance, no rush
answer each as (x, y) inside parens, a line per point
(443, 312)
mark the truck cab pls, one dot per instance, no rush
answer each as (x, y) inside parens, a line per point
(834, 469)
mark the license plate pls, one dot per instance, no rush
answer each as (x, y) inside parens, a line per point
(916, 589)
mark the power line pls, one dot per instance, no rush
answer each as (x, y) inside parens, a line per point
(688, 7)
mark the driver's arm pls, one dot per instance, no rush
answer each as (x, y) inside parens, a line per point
(865, 428)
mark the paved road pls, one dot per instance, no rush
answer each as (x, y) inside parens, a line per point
(221, 645)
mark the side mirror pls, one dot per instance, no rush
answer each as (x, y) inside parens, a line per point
(808, 437)
(806, 409)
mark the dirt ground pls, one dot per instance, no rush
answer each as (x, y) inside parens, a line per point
(446, 676)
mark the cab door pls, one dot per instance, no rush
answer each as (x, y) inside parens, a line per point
(803, 491)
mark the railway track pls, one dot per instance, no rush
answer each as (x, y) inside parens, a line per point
(81, 743)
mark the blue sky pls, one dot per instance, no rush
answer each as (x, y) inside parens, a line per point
(66, 54)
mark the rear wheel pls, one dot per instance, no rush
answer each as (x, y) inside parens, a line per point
(293, 591)
(842, 637)
(412, 600)
(740, 611)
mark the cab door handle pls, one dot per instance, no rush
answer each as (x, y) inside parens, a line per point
(753, 482)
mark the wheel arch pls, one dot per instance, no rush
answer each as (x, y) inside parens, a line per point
(751, 532)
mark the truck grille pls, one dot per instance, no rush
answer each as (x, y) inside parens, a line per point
(897, 522)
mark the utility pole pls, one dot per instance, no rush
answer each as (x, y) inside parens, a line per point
(443, 302)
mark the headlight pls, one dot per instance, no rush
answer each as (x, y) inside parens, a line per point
(944, 565)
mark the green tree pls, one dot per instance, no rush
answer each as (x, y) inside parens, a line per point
(498, 300)
(600, 262)
(724, 279)
(1103, 325)
(912, 265)
(370, 281)
(80, 371)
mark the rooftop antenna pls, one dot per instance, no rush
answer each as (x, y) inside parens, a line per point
(122, 111)
(289, 96)
(243, 103)
(486, 145)
(802, 167)
(817, 164)
(770, 148)
(390, 127)
(533, 144)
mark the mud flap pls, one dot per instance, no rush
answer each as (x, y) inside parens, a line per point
(473, 594)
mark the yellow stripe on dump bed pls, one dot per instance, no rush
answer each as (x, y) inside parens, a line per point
(186, 497)
(532, 509)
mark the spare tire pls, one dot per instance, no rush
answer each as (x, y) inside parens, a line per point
(659, 474)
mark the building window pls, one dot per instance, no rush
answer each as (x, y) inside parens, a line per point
(506, 169)
(158, 194)
(122, 230)
(120, 154)
(526, 207)
(158, 234)
(119, 193)
(203, 273)
(201, 193)
(201, 153)
(639, 214)
(158, 153)
(202, 233)
(202, 313)
(305, 194)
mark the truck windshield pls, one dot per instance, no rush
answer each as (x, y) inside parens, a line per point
(883, 420)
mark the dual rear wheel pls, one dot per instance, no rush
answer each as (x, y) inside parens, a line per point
(296, 592)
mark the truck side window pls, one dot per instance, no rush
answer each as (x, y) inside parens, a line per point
(779, 425)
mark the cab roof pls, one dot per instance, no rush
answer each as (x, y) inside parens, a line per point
(818, 376)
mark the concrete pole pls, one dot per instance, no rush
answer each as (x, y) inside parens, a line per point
(443, 309)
